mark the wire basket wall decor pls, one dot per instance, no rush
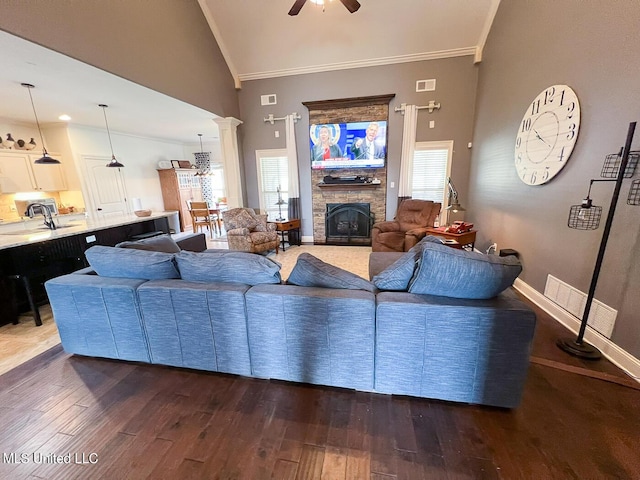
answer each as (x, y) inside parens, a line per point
(612, 164)
(634, 193)
(581, 218)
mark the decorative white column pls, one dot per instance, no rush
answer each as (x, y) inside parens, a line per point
(228, 128)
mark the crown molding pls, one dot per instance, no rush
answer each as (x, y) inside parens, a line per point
(415, 57)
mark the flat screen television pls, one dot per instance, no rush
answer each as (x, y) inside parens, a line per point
(348, 145)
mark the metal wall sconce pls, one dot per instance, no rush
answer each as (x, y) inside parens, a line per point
(586, 216)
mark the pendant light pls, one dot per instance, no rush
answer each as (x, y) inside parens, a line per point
(113, 163)
(202, 161)
(45, 159)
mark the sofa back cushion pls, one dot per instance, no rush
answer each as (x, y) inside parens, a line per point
(228, 266)
(398, 275)
(159, 243)
(413, 213)
(310, 271)
(450, 272)
(131, 263)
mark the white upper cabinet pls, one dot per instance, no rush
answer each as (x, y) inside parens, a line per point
(49, 178)
(19, 173)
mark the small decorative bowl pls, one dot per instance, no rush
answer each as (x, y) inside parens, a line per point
(142, 213)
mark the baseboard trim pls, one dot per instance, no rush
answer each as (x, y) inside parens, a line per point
(618, 356)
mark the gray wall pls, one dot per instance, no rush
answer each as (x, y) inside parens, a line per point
(592, 47)
(455, 90)
(165, 45)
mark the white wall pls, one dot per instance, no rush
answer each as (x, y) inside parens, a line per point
(139, 155)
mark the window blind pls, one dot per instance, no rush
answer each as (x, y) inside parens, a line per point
(273, 174)
(430, 167)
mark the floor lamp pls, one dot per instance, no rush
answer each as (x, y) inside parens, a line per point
(586, 216)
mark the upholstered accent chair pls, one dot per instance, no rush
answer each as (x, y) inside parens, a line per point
(248, 231)
(407, 228)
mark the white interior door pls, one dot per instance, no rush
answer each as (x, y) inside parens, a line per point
(107, 192)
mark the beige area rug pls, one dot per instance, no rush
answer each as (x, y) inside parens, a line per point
(353, 259)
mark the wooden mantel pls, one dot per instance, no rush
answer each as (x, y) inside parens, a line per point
(349, 102)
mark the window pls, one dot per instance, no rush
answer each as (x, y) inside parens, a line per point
(430, 169)
(273, 172)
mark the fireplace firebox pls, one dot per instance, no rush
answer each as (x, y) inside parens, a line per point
(348, 223)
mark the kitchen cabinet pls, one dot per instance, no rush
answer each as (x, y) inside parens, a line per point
(20, 173)
(179, 187)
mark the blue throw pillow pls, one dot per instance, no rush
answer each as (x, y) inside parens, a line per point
(397, 276)
(131, 263)
(451, 272)
(310, 271)
(227, 266)
(159, 243)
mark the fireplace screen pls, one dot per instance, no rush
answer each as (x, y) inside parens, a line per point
(347, 223)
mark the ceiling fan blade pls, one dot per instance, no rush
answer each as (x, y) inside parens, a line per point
(352, 5)
(297, 6)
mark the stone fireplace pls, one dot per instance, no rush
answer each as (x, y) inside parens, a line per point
(374, 195)
(348, 223)
(346, 232)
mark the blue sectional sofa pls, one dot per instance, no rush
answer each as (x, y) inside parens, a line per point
(230, 312)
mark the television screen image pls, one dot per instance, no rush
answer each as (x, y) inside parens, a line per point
(348, 145)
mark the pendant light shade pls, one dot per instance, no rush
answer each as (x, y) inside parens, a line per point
(45, 159)
(113, 163)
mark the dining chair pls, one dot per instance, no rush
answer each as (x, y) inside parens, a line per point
(202, 217)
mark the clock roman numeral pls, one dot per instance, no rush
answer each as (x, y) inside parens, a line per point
(535, 107)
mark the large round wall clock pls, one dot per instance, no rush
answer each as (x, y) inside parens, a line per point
(547, 134)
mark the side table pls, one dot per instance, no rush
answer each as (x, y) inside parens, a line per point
(466, 240)
(285, 226)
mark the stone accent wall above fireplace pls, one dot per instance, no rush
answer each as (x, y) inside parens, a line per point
(348, 110)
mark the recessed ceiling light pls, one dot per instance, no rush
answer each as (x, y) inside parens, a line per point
(64, 117)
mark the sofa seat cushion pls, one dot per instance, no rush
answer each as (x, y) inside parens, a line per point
(228, 266)
(450, 272)
(310, 271)
(160, 243)
(131, 263)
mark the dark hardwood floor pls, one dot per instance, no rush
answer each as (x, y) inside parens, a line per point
(121, 420)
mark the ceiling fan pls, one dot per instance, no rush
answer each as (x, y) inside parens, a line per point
(352, 6)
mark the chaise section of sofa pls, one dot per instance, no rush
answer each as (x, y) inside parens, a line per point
(99, 316)
(473, 351)
(314, 335)
(196, 325)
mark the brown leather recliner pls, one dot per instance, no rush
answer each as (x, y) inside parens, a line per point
(408, 227)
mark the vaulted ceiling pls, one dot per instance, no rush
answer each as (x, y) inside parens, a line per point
(258, 40)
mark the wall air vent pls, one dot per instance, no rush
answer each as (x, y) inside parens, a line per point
(268, 99)
(426, 85)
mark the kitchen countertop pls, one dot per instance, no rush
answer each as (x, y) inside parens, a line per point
(30, 231)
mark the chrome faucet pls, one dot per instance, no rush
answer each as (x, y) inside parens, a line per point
(34, 209)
